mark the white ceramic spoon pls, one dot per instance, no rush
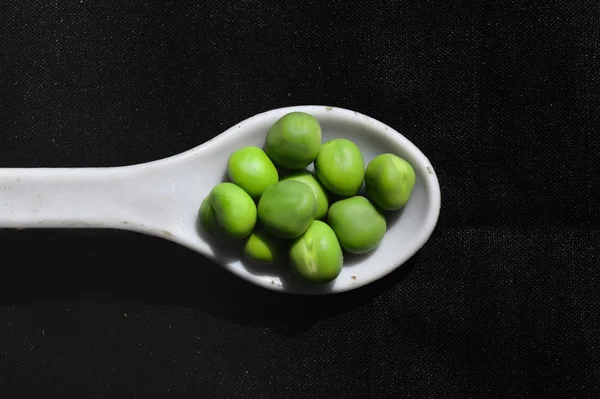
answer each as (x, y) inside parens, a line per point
(161, 198)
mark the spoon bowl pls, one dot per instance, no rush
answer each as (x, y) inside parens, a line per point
(162, 198)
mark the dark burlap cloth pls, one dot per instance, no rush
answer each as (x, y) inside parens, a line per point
(503, 97)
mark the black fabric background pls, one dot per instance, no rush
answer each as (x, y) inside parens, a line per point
(503, 97)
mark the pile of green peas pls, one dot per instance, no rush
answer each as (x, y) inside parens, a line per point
(285, 212)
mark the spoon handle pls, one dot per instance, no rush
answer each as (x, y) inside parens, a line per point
(65, 197)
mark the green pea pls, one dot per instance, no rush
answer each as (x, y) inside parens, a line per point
(262, 247)
(308, 178)
(229, 211)
(316, 255)
(294, 140)
(357, 223)
(389, 181)
(251, 169)
(208, 218)
(340, 167)
(287, 208)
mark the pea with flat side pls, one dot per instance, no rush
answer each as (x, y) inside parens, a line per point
(228, 211)
(208, 220)
(294, 140)
(262, 247)
(389, 181)
(251, 169)
(357, 223)
(316, 255)
(340, 167)
(322, 197)
(287, 208)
